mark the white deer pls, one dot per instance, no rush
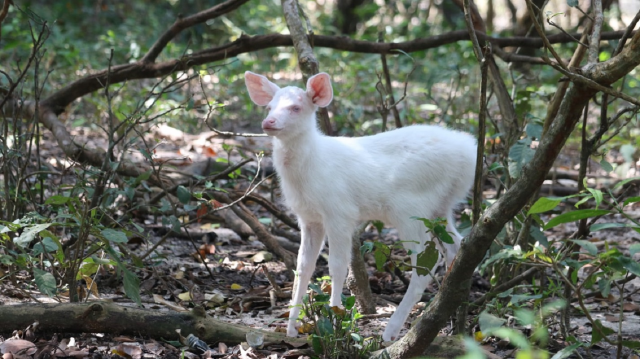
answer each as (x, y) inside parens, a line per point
(334, 183)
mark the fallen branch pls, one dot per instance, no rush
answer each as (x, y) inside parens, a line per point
(105, 317)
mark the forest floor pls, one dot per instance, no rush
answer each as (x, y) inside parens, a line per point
(232, 285)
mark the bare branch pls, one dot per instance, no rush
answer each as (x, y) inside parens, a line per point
(138, 70)
(184, 23)
(594, 41)
(306, 59)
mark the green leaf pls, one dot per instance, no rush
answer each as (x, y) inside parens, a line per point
(631, 200)
(566, 352)
(427, 259)
(356, 337)
(624, 182)
(45, 281)
(606, 166)
(113, 235)
(632, 344)
(46, 246)
(324, 326)
(600, 226)
(634, 248)
(627, 152)
(553, 307)
(519, 155)
(604, 285)
(587, 246)
(57, 200)
(379, 226)
(631, 265)
(534, 130)
(349, 302)
(315, 287)
(381, 255)
(489, 321)
(29, 233)
(572, 3)
(574, 216)
(131, 286)
(514, 336)
(441, 232)
(316, 344)
(367, 247)
(597, 195)
(183, 194)
(544, 204)
(525, 316)
(595, 333)
(538, 236)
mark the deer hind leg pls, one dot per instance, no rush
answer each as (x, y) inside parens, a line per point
(414, 237)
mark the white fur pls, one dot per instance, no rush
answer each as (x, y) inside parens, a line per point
(334, 183)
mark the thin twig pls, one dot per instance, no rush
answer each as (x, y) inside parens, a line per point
(543, 36)
(626, 34)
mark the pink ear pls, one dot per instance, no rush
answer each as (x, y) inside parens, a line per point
(260, 89)
(319, 89)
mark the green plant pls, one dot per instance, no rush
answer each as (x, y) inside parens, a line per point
(333, 330)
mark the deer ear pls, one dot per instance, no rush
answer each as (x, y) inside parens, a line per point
(319, 89)
(260, 89)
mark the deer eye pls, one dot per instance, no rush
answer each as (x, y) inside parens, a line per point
(295, 108)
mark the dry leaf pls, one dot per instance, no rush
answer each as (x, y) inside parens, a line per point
(306, 328)
(160, 300)
(262, 256)
(18, 345)
(613, 318)
(208, 151)
(630, 307)
(338, 311)
(236, 286)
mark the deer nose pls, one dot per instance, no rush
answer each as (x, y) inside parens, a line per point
(269, 123)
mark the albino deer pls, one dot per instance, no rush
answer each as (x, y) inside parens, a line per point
(334, 183)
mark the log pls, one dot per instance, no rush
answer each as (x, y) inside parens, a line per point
(106, 317)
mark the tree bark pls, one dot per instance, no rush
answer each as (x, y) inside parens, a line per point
(306, 59)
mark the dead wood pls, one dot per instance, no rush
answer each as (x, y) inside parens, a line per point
(259, 229)
(105, 317)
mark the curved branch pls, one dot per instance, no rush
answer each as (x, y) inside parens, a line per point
(184, 23)
(139, 70)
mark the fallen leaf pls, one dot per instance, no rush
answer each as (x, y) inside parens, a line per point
(18, 345)
(262, 256)
(306, 328)
(338, 311)
(214, 299)
(236, 286)
(185, 296)
(613, 318)
(630, 307)
(208, 151)
(160, 300)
